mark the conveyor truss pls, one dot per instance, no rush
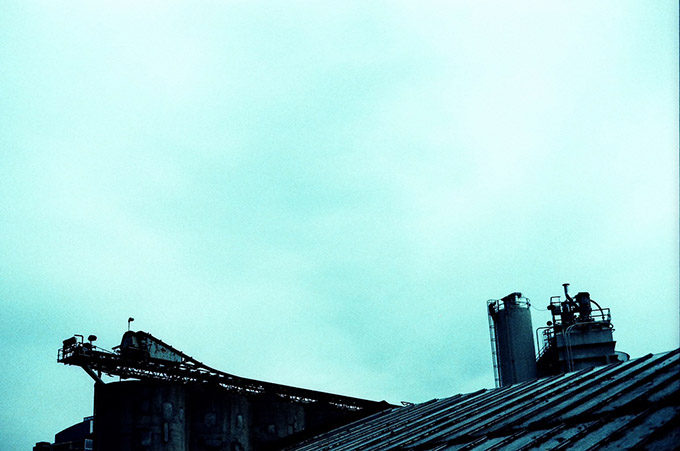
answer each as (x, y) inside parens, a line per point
(145, 357)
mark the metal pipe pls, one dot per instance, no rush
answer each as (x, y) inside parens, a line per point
(494, 351)
(570, 358)
(540, 348)
(599, 308)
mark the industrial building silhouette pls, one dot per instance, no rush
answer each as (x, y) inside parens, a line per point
(577, 392)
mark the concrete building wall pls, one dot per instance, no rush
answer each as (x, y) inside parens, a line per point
(218, 420)
(140, 416)
(164, 416)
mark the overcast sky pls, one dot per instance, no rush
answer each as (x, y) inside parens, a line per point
(325, 195)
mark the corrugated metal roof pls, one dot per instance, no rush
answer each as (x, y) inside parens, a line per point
(626, 405)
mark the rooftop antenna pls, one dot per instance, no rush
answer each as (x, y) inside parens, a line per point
(130, 319)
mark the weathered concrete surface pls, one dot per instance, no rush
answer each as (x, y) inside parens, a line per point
(164, 416)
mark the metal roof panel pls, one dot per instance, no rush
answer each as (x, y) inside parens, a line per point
(611, 407)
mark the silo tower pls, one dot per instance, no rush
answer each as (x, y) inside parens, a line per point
(512, 341)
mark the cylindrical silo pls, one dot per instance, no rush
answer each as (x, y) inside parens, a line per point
(514, 339)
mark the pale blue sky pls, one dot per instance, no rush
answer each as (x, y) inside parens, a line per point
(326, 195)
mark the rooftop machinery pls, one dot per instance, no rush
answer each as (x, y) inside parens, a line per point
(140, 355)
(578, 337)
